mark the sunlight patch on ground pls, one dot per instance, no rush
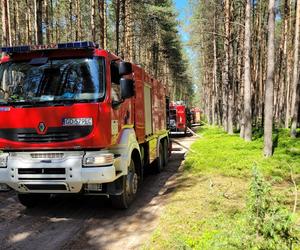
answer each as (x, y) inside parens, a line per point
(58, 219)
(20, 236)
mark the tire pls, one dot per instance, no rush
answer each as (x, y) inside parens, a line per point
(129, 189)
(159, 165)
(166, 153)
(32, 200)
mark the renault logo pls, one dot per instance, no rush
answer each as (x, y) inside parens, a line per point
(41, 127)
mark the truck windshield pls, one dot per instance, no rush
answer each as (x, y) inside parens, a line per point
(57, 80)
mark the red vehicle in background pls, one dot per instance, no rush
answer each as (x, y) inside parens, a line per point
(179, 120)
(78, 119)
(196, 116)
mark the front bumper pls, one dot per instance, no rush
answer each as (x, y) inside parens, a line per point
(65, 174)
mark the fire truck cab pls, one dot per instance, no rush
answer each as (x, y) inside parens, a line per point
(78, 119)
(179, 120)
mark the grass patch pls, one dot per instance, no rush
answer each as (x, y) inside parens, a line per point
(218, 152)
(214, 211)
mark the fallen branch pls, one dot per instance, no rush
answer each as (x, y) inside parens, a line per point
(181, 145)
(193, 133)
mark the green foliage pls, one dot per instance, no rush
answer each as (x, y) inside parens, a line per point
(215, 204)
(218, 152)
(270, 225)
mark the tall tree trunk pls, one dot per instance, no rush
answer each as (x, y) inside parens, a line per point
(52, 21)
(35, 21)
(105, 24)
(18, 32)
(117, 13)
(47, 23)
(269, 92)
(6, 30)
(128, 34)
(288, 68)
(102, 22)
(226, 69)
(93, 17)
(39, 21)
(28, 23)
(215, 76)
(78, 21)
(295, 86)
(228, 79)
(247, 76)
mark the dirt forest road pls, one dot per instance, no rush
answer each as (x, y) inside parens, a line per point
(90, 222)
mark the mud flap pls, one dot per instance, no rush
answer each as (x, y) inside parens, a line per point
(115, 188)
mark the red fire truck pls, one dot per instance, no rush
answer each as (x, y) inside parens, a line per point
(178, 118)
(78, 119)
(196, 116)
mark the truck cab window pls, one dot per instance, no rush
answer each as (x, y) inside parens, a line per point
(115, 82)
(57, 80)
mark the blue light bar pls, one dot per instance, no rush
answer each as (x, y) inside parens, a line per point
(27, 48)
(15, 49)
(77, 45)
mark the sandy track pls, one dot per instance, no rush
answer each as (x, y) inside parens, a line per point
(68, 222)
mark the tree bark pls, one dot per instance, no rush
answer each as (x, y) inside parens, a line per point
(39, 21)
(71, 19)
(228, 78)
(93, 17)
(288, 70)
(78, 21)
(247, 76)
(295, 86)
(6, 30)
(128, 28)
(47, 23)
(102, 22)
(117, 14)
(269, 91)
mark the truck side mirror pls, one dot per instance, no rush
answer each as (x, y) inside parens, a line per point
(127, 88)
(125, 68)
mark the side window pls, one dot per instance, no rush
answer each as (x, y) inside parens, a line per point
(115, 82)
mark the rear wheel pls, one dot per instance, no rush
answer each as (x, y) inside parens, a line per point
(32, 200)
(159, 166)
(166, 153)
(129, 189)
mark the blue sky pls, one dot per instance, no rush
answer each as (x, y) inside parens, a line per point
(182, 8)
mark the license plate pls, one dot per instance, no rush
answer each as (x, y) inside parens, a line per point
(77, 122)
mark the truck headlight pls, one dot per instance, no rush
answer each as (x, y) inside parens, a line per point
(95, 160)
(3, 160)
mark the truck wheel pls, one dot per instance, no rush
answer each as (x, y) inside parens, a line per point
(31, 200)
(129, 186)
(166, 153)
(159, 165)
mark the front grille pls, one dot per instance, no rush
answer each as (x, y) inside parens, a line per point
(42, 179)
(50, 137)
(47, 155)
(56, 187)
(53, 134)
(42, 171)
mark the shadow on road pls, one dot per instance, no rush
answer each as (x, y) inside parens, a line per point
(90, 222)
